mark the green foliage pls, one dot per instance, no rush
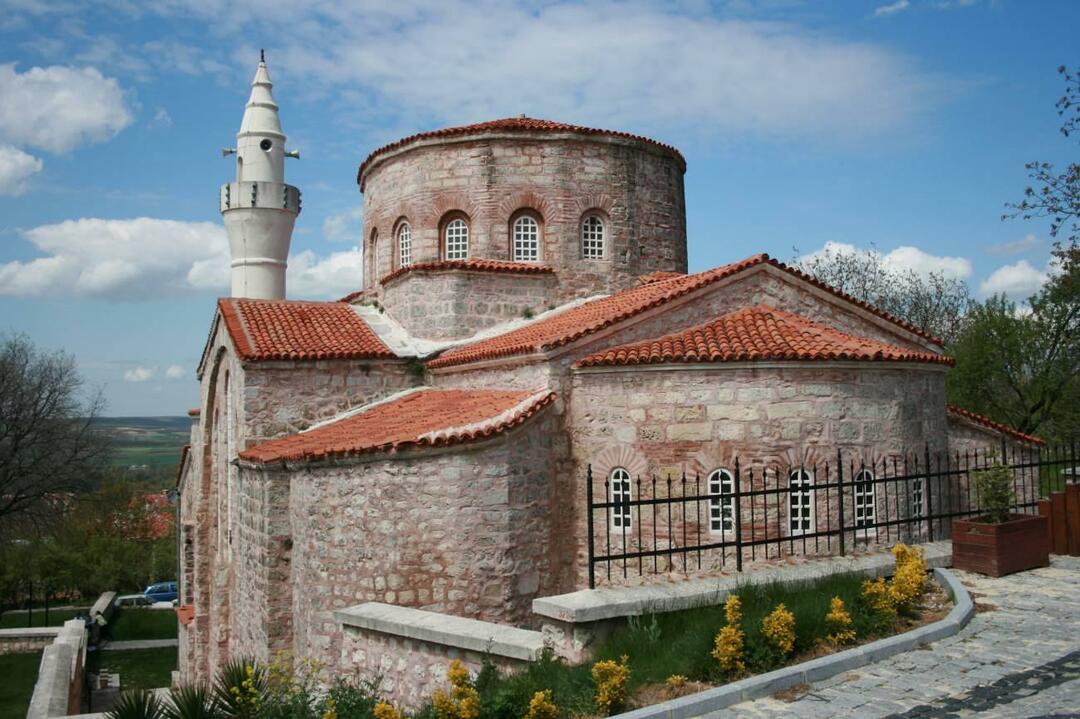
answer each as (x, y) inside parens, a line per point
(138, 668)
(192, 702)
(137, 704)
(239, 687)
(645, 627)
(994, 492)
(354, 700)
(19, 672)
(142, 623)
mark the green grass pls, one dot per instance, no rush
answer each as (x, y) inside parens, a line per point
(138, 668)
(18, 619)
(137, 623)
(661, 645)
(19, 672)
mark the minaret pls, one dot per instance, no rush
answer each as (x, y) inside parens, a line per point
(259, 209)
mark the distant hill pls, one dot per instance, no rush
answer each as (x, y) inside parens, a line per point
(146, 442)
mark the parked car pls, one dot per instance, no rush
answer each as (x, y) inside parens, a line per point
(161, 592)
(131, 600)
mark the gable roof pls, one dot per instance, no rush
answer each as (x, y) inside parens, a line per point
(988, 423)
(423, 418)
(473, 265)
(759, 333)
(290, 329)
(565, 327)
(508, 124)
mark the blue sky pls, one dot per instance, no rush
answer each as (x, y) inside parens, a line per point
(902, 125)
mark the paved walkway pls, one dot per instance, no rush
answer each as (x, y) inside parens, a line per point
(1019, 657)
(138, 644)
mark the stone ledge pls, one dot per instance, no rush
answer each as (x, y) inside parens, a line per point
(591, 605)
(30, 633)
(712, 700)
(436, 628)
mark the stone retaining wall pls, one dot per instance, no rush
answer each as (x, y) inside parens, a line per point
(58, 691)
(23, 641)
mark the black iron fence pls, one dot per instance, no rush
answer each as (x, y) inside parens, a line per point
(754, 509)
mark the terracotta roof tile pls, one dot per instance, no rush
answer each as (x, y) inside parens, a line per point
(759, 333)
(285, 329)
(584, 319)
(428, 417)
(991, 424)
(473, 265)
(509, 124)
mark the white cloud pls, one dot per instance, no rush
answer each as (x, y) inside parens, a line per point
(174, 371)
(1005, 249)
(140, 374)
(334, 276)
(162, 118)
(56, 108)
(647, 67)
(1019, 281)
(902, 259)
(15, 167)
(345, 226)
(122, 259)
(891, 8)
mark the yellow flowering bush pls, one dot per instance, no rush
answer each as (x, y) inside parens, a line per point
(733, 610)
(728, 650)
(541, 706)
(330, 712)
(676, 681)
(610, 678)
(779, 628)
(838, 623)
(462, 701)
(386, 710)
(909, 580)
(879, 599)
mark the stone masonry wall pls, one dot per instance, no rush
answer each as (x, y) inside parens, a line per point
(23, 641)
(636, 187)
(465, 532)
(451, 304)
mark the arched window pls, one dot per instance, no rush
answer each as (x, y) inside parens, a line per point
(800, 502)
(721, 501)
(404, 240)
(525, 236)
(592, 238)
(456, 239)
(374, 257)
(864, 498)
(620, 497)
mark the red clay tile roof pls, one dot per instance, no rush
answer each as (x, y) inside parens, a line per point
(473, 265)
(759, 333)
(285, 329)
(657, 276)
(991, 424)
(509, 124)
(425, 418)
(194, 412)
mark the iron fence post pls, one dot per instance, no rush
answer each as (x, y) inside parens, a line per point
(738, 519)
(929, 496)
(840, 494)
(589, 524)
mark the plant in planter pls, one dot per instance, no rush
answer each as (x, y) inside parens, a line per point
(999, 542)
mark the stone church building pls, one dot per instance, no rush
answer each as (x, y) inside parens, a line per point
(525, 314)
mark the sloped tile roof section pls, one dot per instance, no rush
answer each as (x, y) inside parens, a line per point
(991, 424)
(425, 418)
(475, 265)
(754, 334)
(509, 124)
(568, 326)
(293, 330)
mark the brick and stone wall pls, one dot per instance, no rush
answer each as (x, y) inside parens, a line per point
(636, 187)
(22, 641)
(451, 304)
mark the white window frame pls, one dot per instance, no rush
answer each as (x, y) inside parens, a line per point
(456, 239)
(620, 489)
(917, 498)
(863, 491)
(525, 239)
(803, 509)
(404, 236)
(721, 502)
(593, 237)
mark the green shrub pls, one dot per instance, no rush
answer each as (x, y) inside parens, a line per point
(994, 492)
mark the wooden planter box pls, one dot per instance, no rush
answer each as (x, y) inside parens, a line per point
(1021, 543)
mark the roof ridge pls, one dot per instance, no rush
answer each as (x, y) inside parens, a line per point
(475, 264)
(485, 425)
(993, 424)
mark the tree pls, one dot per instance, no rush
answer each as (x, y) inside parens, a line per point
(934, 303)
(49, 450)
(1055, 195)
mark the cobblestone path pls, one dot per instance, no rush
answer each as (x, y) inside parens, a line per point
(1019, 657)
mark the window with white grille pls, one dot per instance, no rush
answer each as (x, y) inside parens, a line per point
(404, 238)
(721, 501)
(917, 497)
(864, 498)
(457, 239)
(526, 239)
(592, 238)
(800, 502)
(620, 497)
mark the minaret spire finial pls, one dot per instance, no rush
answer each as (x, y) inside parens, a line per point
(262, 55)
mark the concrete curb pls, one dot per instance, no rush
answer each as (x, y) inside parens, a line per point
(815, 670)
